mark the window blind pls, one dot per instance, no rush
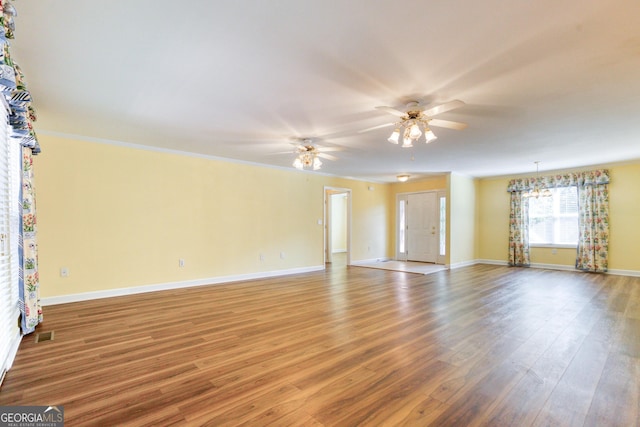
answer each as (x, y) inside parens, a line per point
(554, 220)
(9, 173)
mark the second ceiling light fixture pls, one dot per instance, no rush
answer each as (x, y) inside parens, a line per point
(415, 121)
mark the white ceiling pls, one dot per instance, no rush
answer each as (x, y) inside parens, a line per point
(546, 80)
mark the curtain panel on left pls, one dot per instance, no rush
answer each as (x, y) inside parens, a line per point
(29, 286)
(519, 231)
(21, 117)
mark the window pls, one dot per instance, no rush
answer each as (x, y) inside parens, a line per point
(401, 226)
(554, 220)
(443, 226)
(9, 229)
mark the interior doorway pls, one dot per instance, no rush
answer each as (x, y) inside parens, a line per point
(337, 230)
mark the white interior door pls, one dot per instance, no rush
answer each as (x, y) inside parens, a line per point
(422, 226)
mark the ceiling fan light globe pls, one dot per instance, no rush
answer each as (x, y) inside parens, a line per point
(414, 131)
(395, 136)
(307, 160)
(429, 136)
(297, 163)
(316, 164)
(407, 143)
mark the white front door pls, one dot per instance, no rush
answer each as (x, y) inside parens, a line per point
(422, 226)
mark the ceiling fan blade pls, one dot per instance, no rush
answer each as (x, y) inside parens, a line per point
(327, 149)
(327, 156)
(447, 124)
(376, 127)
(439, 109)
(393, 111)
(279, 153)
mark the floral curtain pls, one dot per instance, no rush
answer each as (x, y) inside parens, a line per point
(519, 230)
(569, 179)
(593, 222)
(593, 217)
(29, 286)
(21, 116)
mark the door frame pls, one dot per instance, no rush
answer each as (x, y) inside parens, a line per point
(441, 258)
(328, 191)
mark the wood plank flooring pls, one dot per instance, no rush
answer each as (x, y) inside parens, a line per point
(476, 346)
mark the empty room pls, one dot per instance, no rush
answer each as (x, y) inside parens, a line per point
(320, 213)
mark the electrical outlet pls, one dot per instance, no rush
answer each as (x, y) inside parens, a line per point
(181, 262)
(64, 272)
(261, 257)
(281, 255)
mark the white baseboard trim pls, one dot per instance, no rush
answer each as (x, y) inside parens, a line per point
(461, 264)
(13, 350)
(109, 293)
(491, 262)
(553, 266)
(86, 296)
(617, 272)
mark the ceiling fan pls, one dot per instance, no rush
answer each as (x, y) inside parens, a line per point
(416, 121)
(308, 154)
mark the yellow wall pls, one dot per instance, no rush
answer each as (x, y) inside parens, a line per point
(120, 217)
(624, 222)
(462, 219)
(624, 205)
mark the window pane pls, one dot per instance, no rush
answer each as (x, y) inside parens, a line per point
(541, 230)
(554, 220)
(541, 207)
(443, 226)
(401, 227)
(567, 230)
(568, 200)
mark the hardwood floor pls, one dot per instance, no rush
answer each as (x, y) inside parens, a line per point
(482, 345)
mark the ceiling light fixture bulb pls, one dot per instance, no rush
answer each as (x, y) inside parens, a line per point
(535, 191)
(316, 163)
(414, 131)
(429, 135)
(297, 163)
(407, 142)
(395, 136)
(307, 159)
(403, 178)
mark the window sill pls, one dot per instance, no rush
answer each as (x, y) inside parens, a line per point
(551, 245)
